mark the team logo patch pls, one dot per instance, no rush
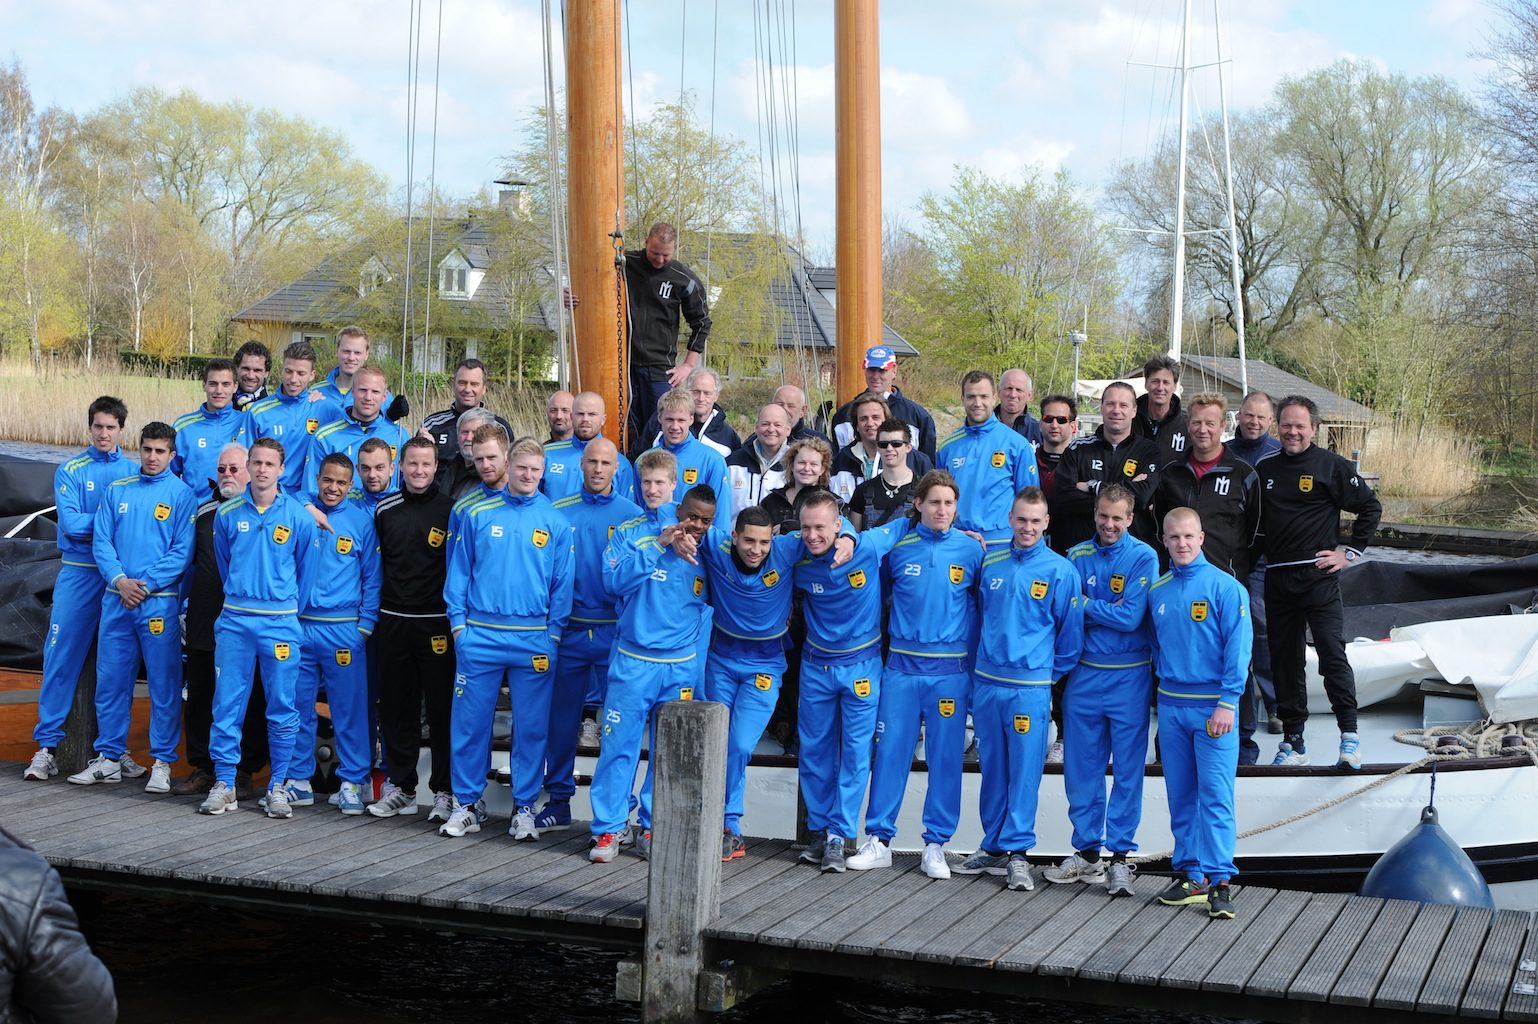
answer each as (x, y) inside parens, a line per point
(691, 476)
(440, 645)
(1038, 589)
(947, 707)
(857, 579)
(157, 626)
(541, 662)
(611, 533)
(1118, 583)
(343, 545)
(436, 537)
(310, 426)
(1129, 468)
(392, 453)
(699, 586)
(280, 534)
(763, 682)
(1022, 724)
(162, 511)
(1198, 611)
(862, 688)
(1305, 483)
(958, 574)
(343, 657)
(541, 538)
(997, 460)
(771, 577)
(280, 651)
(686, 693)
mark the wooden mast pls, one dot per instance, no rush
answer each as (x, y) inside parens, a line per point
(858, 245)
(596, 204)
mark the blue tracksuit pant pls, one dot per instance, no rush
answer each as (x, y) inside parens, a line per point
(77, 600)
(334, 657)
(242, 641)
(940, 703)
(1011, 725)
(1199, 781)
(485, 654)
(582, 664)
(749, 691)
(636, 687)
(149, 632)
(836, 718)
(1105, 719)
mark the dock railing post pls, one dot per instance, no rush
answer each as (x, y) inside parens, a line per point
(79, 743)
(683, 889)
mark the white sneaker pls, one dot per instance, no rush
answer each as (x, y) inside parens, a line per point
(101, 769)
(443, 807)
(589, 737)
(932, 863)
(130, 768)
(523, 828)
(393, 801)
(43, 766)
(160, 778)
(460, 823)
(1055, 753)
(1075, 868)
(873, 853)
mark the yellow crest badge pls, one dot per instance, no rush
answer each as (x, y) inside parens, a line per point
(541, 538)
(1038, 589)
(436, 537)
(1305, 483)
(1198, 611)
(771, 577)
(1129, 468)
(157, 626)
(947, 707)
(699, 586)
(392, 453)
(857, 579)
(686, 693)
(862, 688)
(280, 651)
(162, 511)
(958, 574)
(280, 534)
(1022, 724)
(343, 545)
(343, 657)
(691, 476)
(1118, 583)
(763, 682)
(998, 460)
(541, 662)
(440, 644)
(310, 426)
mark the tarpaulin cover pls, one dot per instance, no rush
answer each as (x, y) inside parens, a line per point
(1381, 595)
(28, 569)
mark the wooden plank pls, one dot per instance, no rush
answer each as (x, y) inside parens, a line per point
(1364, 972)
(1030, 910)
(818, 924)
(1421, 949)
(592, 896)
(1149, 965)
(1105, 963)
(872, 921)
(367, 844)
(1316, 975)
(1272, 975)
(1443, 989)
(1253, 947)
(1487, 989)
(1025, 955)
(301, 842)
(748, 917)
(949, 945)
(1070, 955)
(124, 853)
(473, 891)
(1522, 1003)
(409, 885)
(1203, 955)
(972, 892)
(515, 894)
(358, 881)
(230, 833)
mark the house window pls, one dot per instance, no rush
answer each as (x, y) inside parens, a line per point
(453, 281)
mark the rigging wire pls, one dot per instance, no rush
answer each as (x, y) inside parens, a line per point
(678, 173)
(710, 193)
(432, 215)
(568, 365)
(413, 74)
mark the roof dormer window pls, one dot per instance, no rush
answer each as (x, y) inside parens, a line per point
(452, 281)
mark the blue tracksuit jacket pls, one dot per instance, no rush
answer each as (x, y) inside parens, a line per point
(563, 471)
(843, 605)
(594, 518)
(345, 569)
(1116, 635)
(347, 435)
(698, 463)
(78, 486)
(991, 463)
(497, 546)
(200, 435)
(291, 422)
(933, 581)
(1201, 636)
(145, 531)
(255, 553)
(1033, 619)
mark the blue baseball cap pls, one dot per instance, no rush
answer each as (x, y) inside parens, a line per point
(880, 357)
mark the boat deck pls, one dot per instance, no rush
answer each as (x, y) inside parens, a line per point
(1286, 954)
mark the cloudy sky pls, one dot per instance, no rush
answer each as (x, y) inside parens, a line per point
(998, 84)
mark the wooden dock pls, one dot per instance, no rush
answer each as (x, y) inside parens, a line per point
(728, 929)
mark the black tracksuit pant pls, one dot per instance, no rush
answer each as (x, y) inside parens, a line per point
(416, 666)
(1300, 598)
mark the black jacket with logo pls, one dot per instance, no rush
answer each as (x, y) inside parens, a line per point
(1170, 432)
(655, 299)
(1227, 497)
(1096, 461)
(1304, 495)
(413, 534)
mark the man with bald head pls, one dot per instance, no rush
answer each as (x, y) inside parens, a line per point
(563, 458)
(757, 468)
(558, 415)
(582, 661)
(1014, 409)
(794, 401)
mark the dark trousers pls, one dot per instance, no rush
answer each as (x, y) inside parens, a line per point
(1249, 750)
(647, 384)
(1304, 599)
(198, 716)
(416, 666)
(1260, 661)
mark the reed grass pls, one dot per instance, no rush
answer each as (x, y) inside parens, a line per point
(1429, 463)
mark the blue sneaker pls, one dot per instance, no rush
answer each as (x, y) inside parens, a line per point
(299, 793)
(1350, 752)
(1286, 756)
(349, 798)
(481, 817)
(553, 817)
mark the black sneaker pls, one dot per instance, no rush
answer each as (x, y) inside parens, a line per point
(833, 856)
(1220, 902)
(813, 853)
(1183, 892)
(643, 844)
(732, 846)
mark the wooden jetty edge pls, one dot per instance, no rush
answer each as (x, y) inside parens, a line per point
(705, 935)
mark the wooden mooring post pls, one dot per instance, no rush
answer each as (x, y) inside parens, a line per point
(79, 743)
